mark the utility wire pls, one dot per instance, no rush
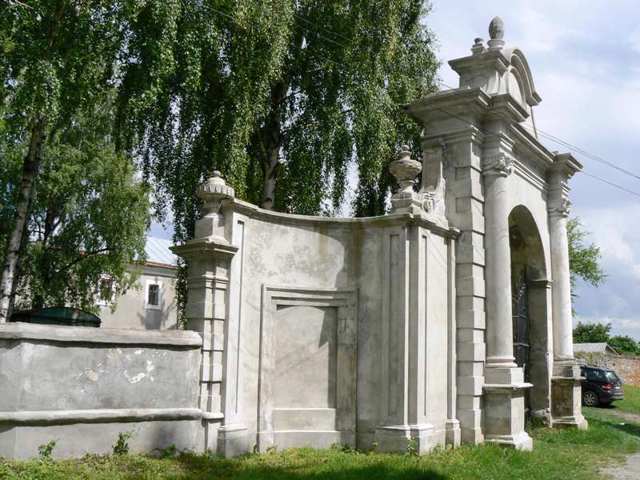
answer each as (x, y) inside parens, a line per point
(573, 147)
(549, 136)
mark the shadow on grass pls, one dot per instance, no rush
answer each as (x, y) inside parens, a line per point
(345, 468)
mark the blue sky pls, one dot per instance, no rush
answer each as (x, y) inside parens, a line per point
(585, 59)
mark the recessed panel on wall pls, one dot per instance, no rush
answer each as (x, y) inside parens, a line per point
(307, 367)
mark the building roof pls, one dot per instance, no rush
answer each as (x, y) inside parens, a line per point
(601, 347)
(157, 250)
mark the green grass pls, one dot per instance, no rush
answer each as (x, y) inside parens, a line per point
(558, 454)
(631, 402)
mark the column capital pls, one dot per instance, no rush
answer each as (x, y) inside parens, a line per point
(562, 208)
(500, 165)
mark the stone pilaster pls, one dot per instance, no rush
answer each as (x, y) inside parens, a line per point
(504, 387)
(208, 257)
(405, 418)
(566, 390)
(464, 209)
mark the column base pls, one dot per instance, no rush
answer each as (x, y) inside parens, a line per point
(233, 440)
(566, 396)
(519, 441)
(404, 438)
(504, 407)
(452, 433)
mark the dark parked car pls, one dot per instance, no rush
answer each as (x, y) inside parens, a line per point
(600, 386)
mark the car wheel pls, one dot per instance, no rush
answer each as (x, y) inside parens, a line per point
(590, 399)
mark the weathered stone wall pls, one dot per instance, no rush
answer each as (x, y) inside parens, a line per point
(626, 366)
(83, 386)
(323, 309)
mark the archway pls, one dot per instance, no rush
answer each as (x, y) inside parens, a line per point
(531, 292)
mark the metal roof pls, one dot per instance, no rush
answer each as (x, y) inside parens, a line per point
(601, 347)
(157, 250)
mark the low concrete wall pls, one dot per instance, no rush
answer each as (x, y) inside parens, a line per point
(83, 386)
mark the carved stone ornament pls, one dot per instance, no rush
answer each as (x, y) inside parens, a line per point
(213, 191)
(501, 165)
(405, 170)
(496, 33)
(561, 210)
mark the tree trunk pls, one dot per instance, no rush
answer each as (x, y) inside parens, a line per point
(271, 136)
(30, 167)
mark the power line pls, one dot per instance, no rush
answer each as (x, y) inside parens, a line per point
(485, 132)
(544, 134)
(573, 147)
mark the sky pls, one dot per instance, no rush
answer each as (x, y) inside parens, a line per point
(585, 60)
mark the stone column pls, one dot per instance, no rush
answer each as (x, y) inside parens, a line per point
(498, 267)
(566, 402)
(504, 381)
(208, 258)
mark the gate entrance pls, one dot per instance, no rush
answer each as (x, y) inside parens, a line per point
(520, 309)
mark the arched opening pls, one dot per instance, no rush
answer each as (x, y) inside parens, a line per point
(530, 308)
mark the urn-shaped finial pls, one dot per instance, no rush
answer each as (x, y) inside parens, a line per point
(405, 169)
(213, 191)
(496, 33)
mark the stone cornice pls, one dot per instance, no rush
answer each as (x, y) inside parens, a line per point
(392, 219)
(490, 59)
(449, 103)
(111, 336)
(505, 107)
(206, 246)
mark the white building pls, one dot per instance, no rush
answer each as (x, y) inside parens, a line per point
(151, 303)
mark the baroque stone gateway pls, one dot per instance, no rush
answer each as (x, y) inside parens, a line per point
(446, 321)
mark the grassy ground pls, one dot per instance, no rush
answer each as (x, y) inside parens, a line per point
(631, 402)
(558, 454)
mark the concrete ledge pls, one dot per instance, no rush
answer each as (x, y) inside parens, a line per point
(61, 417)
(506, 387)
(60, 333)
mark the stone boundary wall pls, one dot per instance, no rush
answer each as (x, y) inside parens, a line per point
(81, 387)
(626, 366)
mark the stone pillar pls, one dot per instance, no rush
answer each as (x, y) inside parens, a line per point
(504, 381)
(566, 401)
(498, 267)
(208, 258)
(407, 418)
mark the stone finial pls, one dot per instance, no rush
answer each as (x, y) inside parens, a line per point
(213, 191)
(496, 33)
(478, 47)
(405, 169)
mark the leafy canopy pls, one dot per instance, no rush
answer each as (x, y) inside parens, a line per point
(584, 259)
(280, 96)
(601, 333)
(87, 212)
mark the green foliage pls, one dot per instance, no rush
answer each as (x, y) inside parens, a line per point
(45, 451)
(584, 259)
(87, 212)
(591, 332)
(562, 454)
(412, 447)
(601, 333)
(631, 401)
(282, 90)
(625, 344)
(121, 447)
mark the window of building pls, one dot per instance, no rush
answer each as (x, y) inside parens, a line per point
(153, 295)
